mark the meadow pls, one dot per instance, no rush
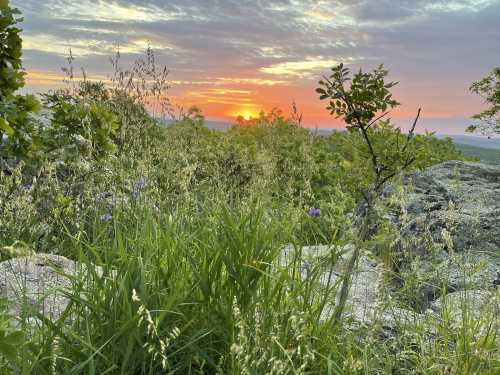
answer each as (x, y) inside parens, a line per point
(187, 225)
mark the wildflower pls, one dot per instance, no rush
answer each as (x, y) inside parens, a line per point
(106, 217)
(135, 297)
(314, 212)
(140, 183)
(26, 187)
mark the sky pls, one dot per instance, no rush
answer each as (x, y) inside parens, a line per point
(238, 57)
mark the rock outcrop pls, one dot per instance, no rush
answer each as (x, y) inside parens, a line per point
(447, 221)
(38, 283)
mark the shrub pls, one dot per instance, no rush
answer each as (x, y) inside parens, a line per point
(17, 129)
(488, 121)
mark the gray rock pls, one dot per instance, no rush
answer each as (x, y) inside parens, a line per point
(37, 283)
(460, 197)
(448, 219)
(328, 266)
(477, 303)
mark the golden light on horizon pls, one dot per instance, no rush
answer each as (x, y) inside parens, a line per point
(246, 113)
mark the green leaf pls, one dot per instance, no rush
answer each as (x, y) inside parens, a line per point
(5, 127)
(14, 338)
(8, 351)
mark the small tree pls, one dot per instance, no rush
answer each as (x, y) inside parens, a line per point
(362, 105)
(488, 121)
(14, 109)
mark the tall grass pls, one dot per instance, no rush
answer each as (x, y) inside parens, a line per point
(206, 293)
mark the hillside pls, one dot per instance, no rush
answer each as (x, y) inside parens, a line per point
(488, 155)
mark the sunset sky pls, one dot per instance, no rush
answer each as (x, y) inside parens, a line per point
(237, 57)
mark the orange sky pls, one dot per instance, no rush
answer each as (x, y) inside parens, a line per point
(236, 57)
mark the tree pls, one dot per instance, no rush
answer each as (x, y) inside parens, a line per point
(488, 121)
(14, 109)
(362, 104)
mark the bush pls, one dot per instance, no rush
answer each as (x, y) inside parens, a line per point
(17, 129)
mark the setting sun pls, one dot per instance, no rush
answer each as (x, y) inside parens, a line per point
(247, 115)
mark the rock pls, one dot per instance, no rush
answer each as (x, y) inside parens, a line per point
(329, 267)
(448, 219)
(477, 303)
(460, 197)
(38, 283)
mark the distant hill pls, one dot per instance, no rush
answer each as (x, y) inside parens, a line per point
(475, 141)
(487, 155)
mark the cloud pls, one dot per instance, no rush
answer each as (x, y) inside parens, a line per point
(263, 45)
(302, 68)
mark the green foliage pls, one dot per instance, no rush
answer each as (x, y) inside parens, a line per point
(11, 75)
(486, 155)
(15, 122)
(358, 104)
(10, 339)
(82, 125)
(362, 104)
(488, 121)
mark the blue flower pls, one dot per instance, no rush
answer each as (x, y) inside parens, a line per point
(314, 212)
(106, 217)
(26, 187)
(140, 183)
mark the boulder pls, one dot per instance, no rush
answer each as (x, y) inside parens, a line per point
(448, 221)
(327, 266)
(477, 304)
(37, 283)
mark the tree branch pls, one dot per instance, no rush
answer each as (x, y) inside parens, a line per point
(378, 118)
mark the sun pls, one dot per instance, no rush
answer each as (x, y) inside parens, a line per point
(247, 115)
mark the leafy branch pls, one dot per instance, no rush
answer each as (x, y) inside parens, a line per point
(362, 101)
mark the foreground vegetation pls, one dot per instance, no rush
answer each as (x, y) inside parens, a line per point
(186, 224)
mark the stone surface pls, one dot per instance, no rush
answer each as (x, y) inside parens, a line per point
(328, 267)
(448, 224)
(460, 197)
(37, 283)
(448, 219)
(477, 304)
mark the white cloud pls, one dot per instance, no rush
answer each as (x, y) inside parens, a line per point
(108, 11)
(300, 68)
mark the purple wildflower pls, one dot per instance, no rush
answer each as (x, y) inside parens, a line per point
(106, 217)
(314, 212)
(26, 187)
(140, 183)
